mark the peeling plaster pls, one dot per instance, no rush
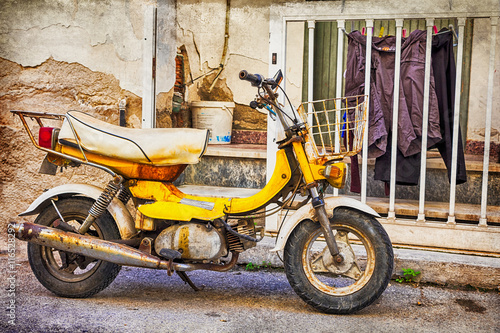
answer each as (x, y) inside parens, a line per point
(103, 36)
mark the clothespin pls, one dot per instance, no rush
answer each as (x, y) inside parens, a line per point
(404, 33)
(435, 29)
(452, 28)
(381, 32)
(363, 31)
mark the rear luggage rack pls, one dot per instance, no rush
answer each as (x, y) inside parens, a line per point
(38, 116)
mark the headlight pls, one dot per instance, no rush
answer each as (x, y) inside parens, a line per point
(335, 174)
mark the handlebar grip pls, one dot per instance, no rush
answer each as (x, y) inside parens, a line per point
(254, 79)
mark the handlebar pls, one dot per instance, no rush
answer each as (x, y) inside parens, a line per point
(254, 79)
(269, 99)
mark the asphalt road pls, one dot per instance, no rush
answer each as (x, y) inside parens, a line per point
(142, 300)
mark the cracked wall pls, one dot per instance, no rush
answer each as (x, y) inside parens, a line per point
(201, 29)
(56, 56)
(104, 36)
(55, 87)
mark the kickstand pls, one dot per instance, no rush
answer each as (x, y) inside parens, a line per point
(187, 280)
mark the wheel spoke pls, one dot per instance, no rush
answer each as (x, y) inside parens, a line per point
(317, 262)
(342, 236)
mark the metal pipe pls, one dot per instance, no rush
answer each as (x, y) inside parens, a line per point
(311, 25)
(395, 120)
(338, 86)
(368, 66)
(456, 120)
(425, 121)
(224, 51)
(93, 247)
(487, 126)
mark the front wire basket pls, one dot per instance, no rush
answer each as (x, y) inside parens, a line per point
(336, 126)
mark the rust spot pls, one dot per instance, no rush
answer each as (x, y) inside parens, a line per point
(164, 173)
(131, 170)
(174, 190)
(184, 240)
(30, 231)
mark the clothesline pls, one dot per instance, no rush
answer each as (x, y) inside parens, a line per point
(450, 27)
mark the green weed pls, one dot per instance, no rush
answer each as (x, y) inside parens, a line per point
(251, 267)
(409, 275)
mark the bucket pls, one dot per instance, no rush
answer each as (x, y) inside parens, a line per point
(215, 116)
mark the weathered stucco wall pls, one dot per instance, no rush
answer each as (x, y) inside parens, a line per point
(88, 55)
(52, 86)
(480, 63)
(56, 56)
(104, 36)
(201, 29)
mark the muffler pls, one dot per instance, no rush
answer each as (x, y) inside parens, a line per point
(116, 253)
(91, 247)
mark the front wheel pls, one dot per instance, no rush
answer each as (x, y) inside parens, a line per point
(353, 284)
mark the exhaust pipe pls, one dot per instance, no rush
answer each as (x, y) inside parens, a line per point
(93, 247)
(87, 246)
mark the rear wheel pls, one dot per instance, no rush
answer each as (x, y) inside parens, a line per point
(67, 274)
(347, 287)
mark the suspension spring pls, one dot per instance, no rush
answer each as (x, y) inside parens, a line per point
(124, 194)
(104, 199)
(101, 203)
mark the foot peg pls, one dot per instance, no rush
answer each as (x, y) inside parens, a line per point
(170, 255)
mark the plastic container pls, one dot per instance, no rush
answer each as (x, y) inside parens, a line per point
(217, 117)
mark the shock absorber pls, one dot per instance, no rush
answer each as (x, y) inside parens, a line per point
(319, 205)
(101, 203)
(124, 194)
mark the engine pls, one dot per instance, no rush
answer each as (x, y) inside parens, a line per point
(195, 241)
(204, 241)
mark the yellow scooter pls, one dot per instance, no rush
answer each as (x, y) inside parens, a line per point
(337, 256)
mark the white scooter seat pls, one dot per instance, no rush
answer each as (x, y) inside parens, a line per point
(157, 146)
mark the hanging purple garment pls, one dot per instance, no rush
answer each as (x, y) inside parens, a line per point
(443, 63)
(411, 90)
(410, 112)
(355, 85)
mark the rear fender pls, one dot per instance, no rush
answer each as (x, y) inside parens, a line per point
(307, 212)
(116, 208)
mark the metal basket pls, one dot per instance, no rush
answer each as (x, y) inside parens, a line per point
(336, 126)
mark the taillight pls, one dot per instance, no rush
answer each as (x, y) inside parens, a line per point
(47, 137)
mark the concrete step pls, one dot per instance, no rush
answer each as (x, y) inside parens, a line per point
(240, 165)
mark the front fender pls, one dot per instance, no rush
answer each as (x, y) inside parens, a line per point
(116, 208)
(307, 212)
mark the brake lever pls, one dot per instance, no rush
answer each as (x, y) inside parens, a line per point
(256, 105)
(271, 112)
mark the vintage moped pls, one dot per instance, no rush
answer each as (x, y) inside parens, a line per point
(337, 256)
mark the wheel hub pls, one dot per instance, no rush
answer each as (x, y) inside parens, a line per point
(335, 267)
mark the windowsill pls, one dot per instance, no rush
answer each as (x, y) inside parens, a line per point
(239, 150)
